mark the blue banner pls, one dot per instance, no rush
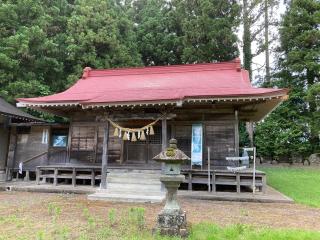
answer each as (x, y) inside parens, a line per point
(196, 144)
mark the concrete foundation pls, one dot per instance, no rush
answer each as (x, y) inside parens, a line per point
(271, 196)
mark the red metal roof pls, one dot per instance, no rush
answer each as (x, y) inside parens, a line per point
(176, 82)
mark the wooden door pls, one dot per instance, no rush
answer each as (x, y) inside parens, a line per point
(142, 152)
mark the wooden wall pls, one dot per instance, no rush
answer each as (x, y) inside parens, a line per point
(86, 141)
(87, 137)
(4, 141)
(30, 145)
(218, 135)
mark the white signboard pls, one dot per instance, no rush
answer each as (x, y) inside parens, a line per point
(196, 144)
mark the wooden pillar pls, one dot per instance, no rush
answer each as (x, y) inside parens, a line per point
(92, 178)
(55, 177)
(74, 174)
(164, 134)
(11, 152)
(38, 172)
(190, 181)
(69, 143)
(236, 132)
(238, 182)
(105, 157)
(27, 177)
(164, 144)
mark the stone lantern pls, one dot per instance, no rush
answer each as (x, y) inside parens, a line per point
(172, 220)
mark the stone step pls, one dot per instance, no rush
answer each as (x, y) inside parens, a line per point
(123, 197)
(126, 185)
(133, 187)
(134, 171)
(129, 180)
(135, 175)
(132, 192)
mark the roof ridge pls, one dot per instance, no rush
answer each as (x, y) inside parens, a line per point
(230, 65)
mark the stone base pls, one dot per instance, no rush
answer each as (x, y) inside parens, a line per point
(172, 224)
(2, 176)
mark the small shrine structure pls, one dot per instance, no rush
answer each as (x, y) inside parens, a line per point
(122, 118)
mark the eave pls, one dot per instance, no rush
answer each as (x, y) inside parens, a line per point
(261, 105)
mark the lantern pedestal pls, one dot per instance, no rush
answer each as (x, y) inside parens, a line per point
(172, 220)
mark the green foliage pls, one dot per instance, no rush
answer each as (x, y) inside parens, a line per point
(313, 97)
(238, 232)
(112, 216)
(100, 35)
(207, 27)
(136, 217)
(284, 133)
(157, 34)
(293, 129)
(31, 53)
(55, 211)
(44, 45)
(90, 219)
(298, 183)
(244, 140)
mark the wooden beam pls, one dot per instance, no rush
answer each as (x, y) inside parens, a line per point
(204, 110)
(105, 157)
(139, 116)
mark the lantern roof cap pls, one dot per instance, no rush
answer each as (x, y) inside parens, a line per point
(172, 154)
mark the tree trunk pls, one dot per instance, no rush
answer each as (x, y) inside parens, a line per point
(266, 40)
(247, 54)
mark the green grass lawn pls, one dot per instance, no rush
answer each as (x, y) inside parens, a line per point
(204, 231)
(201, 231)
(300, 184)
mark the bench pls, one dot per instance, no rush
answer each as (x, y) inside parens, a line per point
(65, 172)
(243, 178)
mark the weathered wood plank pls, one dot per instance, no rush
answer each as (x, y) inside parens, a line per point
(105, 157)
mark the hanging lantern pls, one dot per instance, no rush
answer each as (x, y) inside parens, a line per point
(116, 132)
(151, 130)
(128, 136)
(125, 137)
(147, 132)
(133, 138)
(143, 136)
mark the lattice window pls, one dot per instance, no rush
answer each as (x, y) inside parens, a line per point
(82, 138)
(157, 137)
(183, 135)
